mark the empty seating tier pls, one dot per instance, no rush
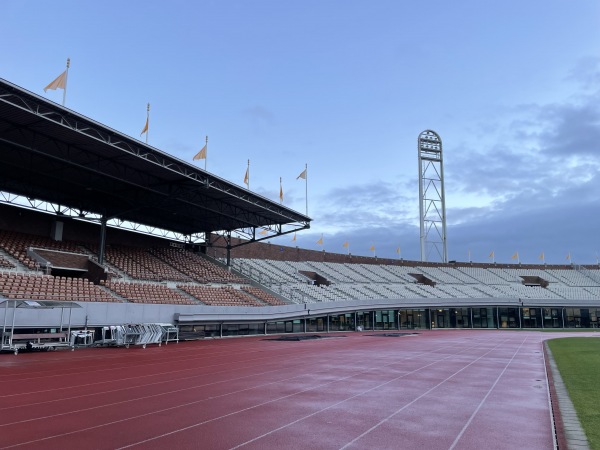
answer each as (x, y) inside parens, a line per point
(140, 264)
(197, 267)
(16, 245)
(262, 295)
(15, 285)
(343, 281)
(220, 296)
(148, 293)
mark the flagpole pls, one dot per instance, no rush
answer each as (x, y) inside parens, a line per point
(280, 192)
(206, 155)
(147, 121)
(306, 186)
(66, 78)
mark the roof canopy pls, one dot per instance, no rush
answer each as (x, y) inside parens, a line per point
(53, 154)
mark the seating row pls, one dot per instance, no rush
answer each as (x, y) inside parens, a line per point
(148, 293)
(220, 296)
(15, 285)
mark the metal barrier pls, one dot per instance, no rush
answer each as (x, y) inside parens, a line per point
(137, 334)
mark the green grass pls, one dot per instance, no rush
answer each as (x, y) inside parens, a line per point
(555, 330)
(578, 361)
(570, 330)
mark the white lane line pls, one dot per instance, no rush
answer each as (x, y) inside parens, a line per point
(170, 380)
(346, 399)
(447, 345)
(45, 376)
(284, 397)
(460, 434)
(137, 399)
(304, 354)
(138, 377)
(381, 422)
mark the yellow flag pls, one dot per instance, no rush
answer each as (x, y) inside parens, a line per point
(398, 250)
(145, 130)
(263, 232)
(59, 83)
(491, 254)
(372, 248)
(302, 175)
(346, 245)
(515, 256)
(201, 154)
(569, 256)
(293, 240)
(280, 191)
(247, 176)
(320, 241)
(541, 256)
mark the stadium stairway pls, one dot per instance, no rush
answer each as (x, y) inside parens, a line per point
(112, 293)
(184, 293)
(8, 262)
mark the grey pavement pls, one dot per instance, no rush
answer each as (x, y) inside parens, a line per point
(574, 434)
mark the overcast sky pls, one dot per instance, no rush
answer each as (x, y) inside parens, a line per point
(346, 87)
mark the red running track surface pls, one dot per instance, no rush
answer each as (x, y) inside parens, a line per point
(444, 389)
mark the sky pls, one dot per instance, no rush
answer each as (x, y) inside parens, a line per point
(346, 87)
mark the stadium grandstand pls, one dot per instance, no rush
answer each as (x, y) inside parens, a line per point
(118, 232)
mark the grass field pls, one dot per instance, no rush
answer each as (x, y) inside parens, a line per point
(578, 360)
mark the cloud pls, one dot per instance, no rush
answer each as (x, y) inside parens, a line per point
(540, 183)
(373, 205)
(572, 129)
(526, 180)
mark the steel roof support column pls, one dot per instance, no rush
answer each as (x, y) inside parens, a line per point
(228, 241)
(102, 240)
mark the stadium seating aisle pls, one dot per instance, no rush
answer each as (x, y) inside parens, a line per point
(575, 293)
(262, 295)
(5, 263)
(481, 275)
(572, 278)
(269, 273)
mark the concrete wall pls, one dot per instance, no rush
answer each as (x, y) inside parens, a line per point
(101, 314)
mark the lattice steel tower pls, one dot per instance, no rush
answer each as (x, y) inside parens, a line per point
(432, 203)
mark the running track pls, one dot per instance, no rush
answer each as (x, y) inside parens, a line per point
(445, 389)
